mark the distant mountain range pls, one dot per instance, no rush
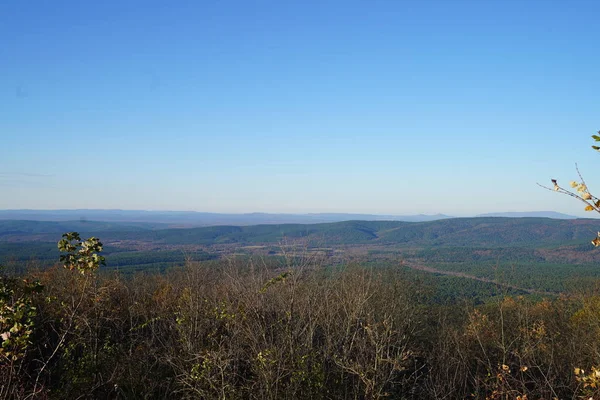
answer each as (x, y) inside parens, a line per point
(192, 218)
(197, 219)
(473, 232)
(534, 214)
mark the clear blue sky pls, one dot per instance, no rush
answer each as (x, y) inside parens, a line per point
(400, 107)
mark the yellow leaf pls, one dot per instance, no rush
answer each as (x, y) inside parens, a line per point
(589, 208)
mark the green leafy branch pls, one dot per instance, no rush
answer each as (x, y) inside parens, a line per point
(81, 255)
(17, 316)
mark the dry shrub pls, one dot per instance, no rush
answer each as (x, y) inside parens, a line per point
(295, 328)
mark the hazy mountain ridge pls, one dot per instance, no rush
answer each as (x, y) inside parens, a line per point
(480, 231)
(193, 218)
(529, 214)
(166, 219)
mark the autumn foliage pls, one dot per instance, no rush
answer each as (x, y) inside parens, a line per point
(246, 329)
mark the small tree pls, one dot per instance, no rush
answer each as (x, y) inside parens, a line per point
(71, 318)
(580, 191)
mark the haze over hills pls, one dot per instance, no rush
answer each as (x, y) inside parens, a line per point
(193, 218)
(534, 214)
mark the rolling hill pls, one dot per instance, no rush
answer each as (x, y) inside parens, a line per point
(484, 232)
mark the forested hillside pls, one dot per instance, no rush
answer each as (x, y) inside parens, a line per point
(486, 232)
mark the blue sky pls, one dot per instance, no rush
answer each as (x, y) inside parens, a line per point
(388, 107)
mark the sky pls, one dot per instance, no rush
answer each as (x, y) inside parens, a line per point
(383, 107)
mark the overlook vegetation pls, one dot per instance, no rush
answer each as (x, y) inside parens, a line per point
(288, 328)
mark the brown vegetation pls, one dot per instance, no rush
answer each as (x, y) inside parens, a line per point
(242, 329)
